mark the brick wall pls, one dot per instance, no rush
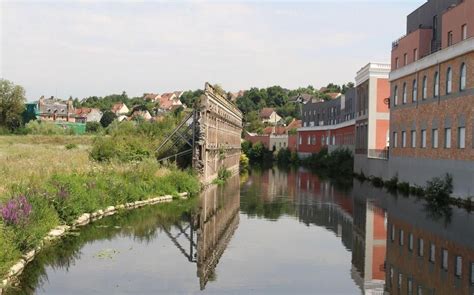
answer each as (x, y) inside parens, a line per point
(457, 108)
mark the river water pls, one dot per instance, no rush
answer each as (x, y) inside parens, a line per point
(269, 232)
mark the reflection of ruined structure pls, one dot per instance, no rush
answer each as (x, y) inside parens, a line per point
(216, 223)
(211, 133)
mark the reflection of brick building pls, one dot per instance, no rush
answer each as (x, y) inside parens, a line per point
(432, 95)
(426, 256)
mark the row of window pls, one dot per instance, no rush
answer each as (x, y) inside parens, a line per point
(415, 50)
(409, 284)
(424, 89)
(461, 138)
(444, 254)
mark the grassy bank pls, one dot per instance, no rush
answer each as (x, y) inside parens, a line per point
(51, 180)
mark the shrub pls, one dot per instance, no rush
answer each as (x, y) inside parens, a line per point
(71, 146)
(377, 181)
(439, 189)
(417, 191)
(44, 128)
(392, 184)
(93, 127)
(244, 162)
(16, 211)
(123, 149)
(404, 187)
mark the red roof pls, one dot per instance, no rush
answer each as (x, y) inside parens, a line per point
(266, 112)
(334, 95)
(116, 107)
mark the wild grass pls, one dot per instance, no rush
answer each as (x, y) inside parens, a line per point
(62, 183)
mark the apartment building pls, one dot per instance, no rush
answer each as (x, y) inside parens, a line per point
(432, 96)
(327, 124)
(372, 119)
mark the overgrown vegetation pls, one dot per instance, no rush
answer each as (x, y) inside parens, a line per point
(44, 185)
(338, 163)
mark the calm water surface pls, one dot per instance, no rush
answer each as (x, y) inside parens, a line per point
(271, 232)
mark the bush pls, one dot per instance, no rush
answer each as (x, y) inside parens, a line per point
(244, 162)
(338, 163)
(377, 181)
(9, 253)
(123, 149)
(403, 187)
(71, 146)
(93, 127)
(392, 184)
(44, 128)
(439, 189)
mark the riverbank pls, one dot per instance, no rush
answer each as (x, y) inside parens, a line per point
(50, 181)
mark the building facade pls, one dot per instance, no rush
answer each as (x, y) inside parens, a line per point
(432, 96)
(327, 124)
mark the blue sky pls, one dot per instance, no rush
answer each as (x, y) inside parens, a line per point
(84, 48)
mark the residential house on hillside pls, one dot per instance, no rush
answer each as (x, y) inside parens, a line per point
(302, 98)
(277, 137)
(151, 96)
(143, 114)
(84, 115)
(170, 101)
(120, 109)
(54, 109)
(334, 95)
(269, 116)
(235, 95)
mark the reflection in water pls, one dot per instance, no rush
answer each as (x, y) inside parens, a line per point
(217, 220)
(277, 232)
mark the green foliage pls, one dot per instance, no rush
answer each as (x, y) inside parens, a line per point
(71, 146)
(392, 184)
(9, 253)
(222, 175)
(12, 99)
(123, 149)
(107, 118)
(44, 128)
(93, 127)
(377, 181)
(244, 162)
(404, 187)
(285, 157)
(340, 162)
(438, 190)
(189, 97)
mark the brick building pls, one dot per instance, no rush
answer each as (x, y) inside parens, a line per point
(327, 124)
(432, 96)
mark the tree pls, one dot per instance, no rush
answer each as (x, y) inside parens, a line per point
(12, 104)
(189, 97)
(107, 118)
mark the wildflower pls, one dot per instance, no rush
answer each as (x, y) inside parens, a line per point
(16, 211)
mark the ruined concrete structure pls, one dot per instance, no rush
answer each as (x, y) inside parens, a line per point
(218, 131)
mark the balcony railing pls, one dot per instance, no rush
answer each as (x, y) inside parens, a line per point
(378, 154)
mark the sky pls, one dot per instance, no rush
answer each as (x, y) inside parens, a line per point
(92, 47)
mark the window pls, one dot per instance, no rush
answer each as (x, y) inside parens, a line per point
(396, 63)
(432, 252)
(413, 138)
(404, 139)
(309, 140)
(462, 82)
(464, 32)
(410, 286)
(419, 290)
(404, 93)
(461, 137)
(391, 276)
(447, 138)
(415, 54)
(436, 85)
(405, 59)
(458, 269)
(400, 280)
(423, 138)
(401, 237)
(444, 259)
(300, 140)
(424, 92)
(392, 235)
(450, 38)
(449, 81)
(410, 242)
(434, 138)
(395, 96)
(421, 246)
(415, 91)
(472, 273)
(435, 27)
(395, 143)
